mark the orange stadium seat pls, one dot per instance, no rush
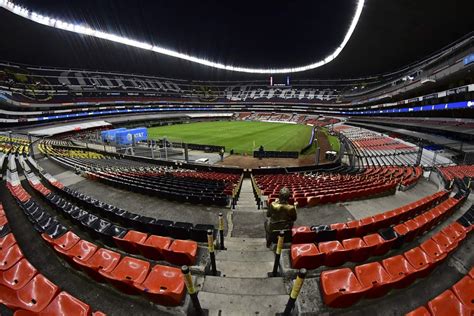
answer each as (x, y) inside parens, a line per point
(334, 253)
(447, 304)
(374, 276)
(341, 288)
(464, 291)
(9, 257)
(152, 247)
(306, 256)
(102, 260)
(163, 285)
(128, 271)
(63, 304)
(420, 261)
(82, 250)
(65, 242)
(34, 296)
(18, 275)
(181, 252)
(130, 240)
(401, 270)
(7, 241)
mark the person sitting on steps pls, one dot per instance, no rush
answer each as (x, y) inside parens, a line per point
(281, 215)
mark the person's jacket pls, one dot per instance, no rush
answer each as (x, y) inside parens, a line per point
(281, 216)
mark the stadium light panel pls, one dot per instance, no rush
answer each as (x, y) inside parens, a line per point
(79, 29)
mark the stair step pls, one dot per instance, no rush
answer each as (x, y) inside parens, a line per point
(237, 305)
(244, 286)
(245, 256)
(242, 269)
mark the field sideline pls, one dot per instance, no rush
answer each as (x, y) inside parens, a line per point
(241, 136)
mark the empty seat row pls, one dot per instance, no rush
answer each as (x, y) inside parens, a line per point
(458, 300)
(335, 253)
(24, 289)
(163, 285)
(178, 252)
(176, 230)
(344, 287)
(361, 227)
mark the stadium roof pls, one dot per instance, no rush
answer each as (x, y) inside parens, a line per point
(262, 34)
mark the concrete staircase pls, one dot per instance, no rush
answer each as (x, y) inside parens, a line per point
(246, 200)
(243, 288)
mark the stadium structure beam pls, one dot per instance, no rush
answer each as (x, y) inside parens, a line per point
(80, 29)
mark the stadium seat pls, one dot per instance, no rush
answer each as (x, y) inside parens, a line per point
(152, 247)
(420, 261)
(181, 230)
(471, 273)
(163, 285)
(342, 231)
(181, 252)
(130, 240)
(82, 250)
(63, 304)
(373, 276)
(381, 246)
(7, 241)
(18, 275)
(199, 232)
(9, 257)
(359, 250)
(420, 311)
(128, 271)
(334, 253)
(448, 304)
(302, 235)
(436, 251)
(66, 241)
(34, 296)
(448, 243)
(102, 260)
(401, 271)
(306, 256)
(341, 288)
(464, 291)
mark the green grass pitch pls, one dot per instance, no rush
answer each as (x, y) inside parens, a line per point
(241, 136)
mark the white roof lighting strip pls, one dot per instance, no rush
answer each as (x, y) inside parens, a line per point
(79, 29)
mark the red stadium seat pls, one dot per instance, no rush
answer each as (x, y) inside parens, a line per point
(34, 296)
(66, 241)
(373, 276)
(381, 246)
(360, 251)
(447, 304)
(9, 257)
(454, 232)
(400, 269)
(7, 241)
(164, 285)
(128, 271)
(152, 247)
(102, 260)
(464, 291)
(341, 288)
(434, 250)
(18, 275)
(63, 304)
(302, 235)
(82, 250)
(471, 273)
(130, 240)
(181, 252)
(342, 231)
(420, 311)
(445, 241)
(421, 261)
(306, 256)
(334, 253)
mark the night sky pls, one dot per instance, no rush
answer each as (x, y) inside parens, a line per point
(263, 33)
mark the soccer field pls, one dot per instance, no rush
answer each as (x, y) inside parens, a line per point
(241, 136)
